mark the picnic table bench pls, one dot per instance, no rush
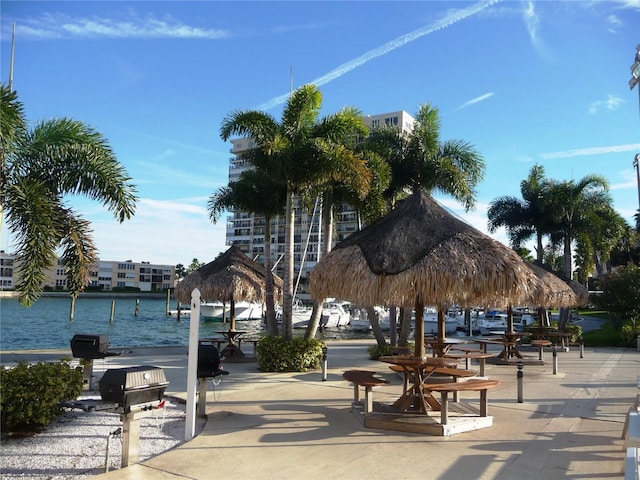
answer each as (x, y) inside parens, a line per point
(477, 385)
(366, 379)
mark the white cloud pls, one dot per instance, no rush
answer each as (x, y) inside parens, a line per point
(578, 152)
(532, 21)
(51, 26)
(473, 101)
(611, 103)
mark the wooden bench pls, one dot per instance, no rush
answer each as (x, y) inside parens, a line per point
(253, 341)
(471, 385)
(540, 344)
(366, 379)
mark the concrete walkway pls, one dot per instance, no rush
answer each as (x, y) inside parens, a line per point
(296, 426)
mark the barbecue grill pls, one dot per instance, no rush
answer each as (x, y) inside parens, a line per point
(133, 388)
(209, 361)
(91, 347)
(133, 392)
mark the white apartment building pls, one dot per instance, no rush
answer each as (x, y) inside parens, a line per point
(107, 276)
(246, 230)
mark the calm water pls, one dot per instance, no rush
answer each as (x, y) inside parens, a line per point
(46, 324)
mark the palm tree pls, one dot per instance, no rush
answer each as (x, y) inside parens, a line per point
(305, 152)
(42, 165)
(259, 193)
(594, 246)
(574, 206)
(524, 218)
(420, 160)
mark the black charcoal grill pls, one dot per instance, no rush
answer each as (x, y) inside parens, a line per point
(91, 347)
(209, 361)
(133, 388)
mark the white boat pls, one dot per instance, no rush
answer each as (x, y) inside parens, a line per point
(300, 314)
(184, 312)
(214, 311)
(491, 321)
(431, 323)
(335, 314)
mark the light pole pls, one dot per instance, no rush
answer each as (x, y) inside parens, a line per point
(635, 78)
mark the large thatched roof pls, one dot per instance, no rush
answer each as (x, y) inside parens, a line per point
(233, 276)
(421, 252)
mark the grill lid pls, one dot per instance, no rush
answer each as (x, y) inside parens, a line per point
(133, 385)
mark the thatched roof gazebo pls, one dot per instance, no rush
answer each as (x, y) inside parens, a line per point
(420, 254)
(556, 291)
(229, 278)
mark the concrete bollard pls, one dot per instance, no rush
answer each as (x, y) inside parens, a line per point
(324, 364)
(581, 348)
(555, 360)
(520, 376)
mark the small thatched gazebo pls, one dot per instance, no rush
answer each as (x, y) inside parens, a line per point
(553, 290)
(419, 253)
(229, 278)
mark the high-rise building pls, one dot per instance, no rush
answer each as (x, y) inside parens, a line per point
(246, 230)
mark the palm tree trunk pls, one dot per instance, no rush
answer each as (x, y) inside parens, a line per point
(393, 325)
(327, 230)
(287, 300)
(405, 326)
(539, 248)
(375, 326)
(272, 324)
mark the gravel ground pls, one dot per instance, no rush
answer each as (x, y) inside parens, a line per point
(74, 447)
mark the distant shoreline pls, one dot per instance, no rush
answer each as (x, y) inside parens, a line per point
(14, 294)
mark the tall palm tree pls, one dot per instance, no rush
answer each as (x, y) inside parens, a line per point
(420, 160)
(42, 165)
(573, 207)
(260, 193)
(524, 218)
(307, 152)
(594, 245)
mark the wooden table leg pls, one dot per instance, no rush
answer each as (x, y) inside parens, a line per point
(444, 408)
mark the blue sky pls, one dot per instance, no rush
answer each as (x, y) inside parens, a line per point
(525, 82)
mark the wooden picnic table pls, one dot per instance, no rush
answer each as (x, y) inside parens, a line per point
(560, 338)
(509, 342)
(232, 349)
(468, 356)
(441, 346)
(419, 369)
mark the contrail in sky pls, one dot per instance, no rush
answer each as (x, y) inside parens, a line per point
(388, 47)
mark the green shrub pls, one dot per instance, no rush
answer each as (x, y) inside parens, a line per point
(30, 394)
(275, 354)
(629, 335)
(575, 330)
(377, 351)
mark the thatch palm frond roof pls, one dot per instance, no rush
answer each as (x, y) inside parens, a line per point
(554, 290)
(419, 251)
(232, 276)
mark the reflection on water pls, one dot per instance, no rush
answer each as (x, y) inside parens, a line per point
(46, 324)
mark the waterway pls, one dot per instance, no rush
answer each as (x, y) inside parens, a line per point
(135, 323)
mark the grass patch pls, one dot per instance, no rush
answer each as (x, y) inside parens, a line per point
(606, 336)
